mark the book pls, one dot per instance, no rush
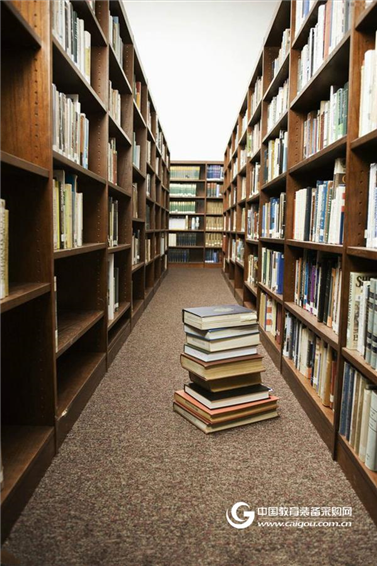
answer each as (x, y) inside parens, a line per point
(68, 211)
(205, 356)
(228, 398)
(354, 307)
(208, 429)
(224, 414)
(273, 217)
(225, 344)
(227, 383)
(272, 270)
(371, 449)
(221, 333)
(368, 92)
(371, 227)
(222, 368)
(4, 250)
(205, 318)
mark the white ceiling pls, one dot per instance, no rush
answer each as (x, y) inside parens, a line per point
(198, 57)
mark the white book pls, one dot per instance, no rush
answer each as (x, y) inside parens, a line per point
(371, 450)
(111, 289)
(364, 424)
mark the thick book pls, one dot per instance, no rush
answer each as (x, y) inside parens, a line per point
(223, 368)
(208, 429)
(226, 414)
(228, 383)
(371, 448)
(220, 316)
(229, 398)
(219, 355)
(223, 344)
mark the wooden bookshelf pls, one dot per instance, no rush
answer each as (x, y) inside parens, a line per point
(343, 64)
(57, 380)
(197, 252)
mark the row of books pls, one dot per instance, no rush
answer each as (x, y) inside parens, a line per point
(318, 281)
(270, 316)
(362, 316)
(112, 287)
(135, 201)
(182, 207)
(115, 106)
(273, 217)
(68, 211)
(319, 211)
(136, 152)
(183, 190)
(312, 357)
(283, 52)
(136, 247)
(214, 207)
(213, 190)
(113, 222)
(278, 105)
(183, 240)
(371, 229)
(149, 185)
(187, 223)
(275, 157)
(4, 250)
(215, 172)
(185, 172)
(239, 250)
(212, 256)
(70, 135)
(220, 354)
(368, 92)
(252, 225)
(358, 415)
(324, 126)
(214, 223)
(252, 269)
(303, 8)
(272, 271)
(333, 23)
(214, 240)
(112, 161)
(256, 96)
(69, 30)
(183, 256)
(115, 39)
(253, 140)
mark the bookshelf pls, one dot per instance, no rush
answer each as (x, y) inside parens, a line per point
(45, 389)
(199, 242)
(341, 65)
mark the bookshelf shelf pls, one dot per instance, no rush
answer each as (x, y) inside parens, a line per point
(54, 386)
(279, 241)
(330, 248)
(276, 82)
(21, 166)
(281, 124)
(274, 184)
(354, 358)
(69, 165)
(322, 417)
(84, 249)
(252, 288)
(73, 325)
(22, 293)
(326, 333)
(21, 448)
(68, 78)
(278, 298)
(16, 30)
(123, 308)
(257, 114)
(361, 252)
(310, 21)
(332, 71)
(368, 18)
(367, 141)
(321, 158)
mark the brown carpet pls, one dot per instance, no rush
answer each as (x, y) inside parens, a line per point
(135, 484)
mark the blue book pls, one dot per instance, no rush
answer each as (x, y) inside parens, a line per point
(349, 401)
(280, 274)
(342, 420)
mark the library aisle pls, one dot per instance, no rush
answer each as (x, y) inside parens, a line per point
(135, 484)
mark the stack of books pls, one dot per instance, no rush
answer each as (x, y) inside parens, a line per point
(220, 354)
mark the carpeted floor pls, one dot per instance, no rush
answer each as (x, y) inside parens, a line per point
(135, 484)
